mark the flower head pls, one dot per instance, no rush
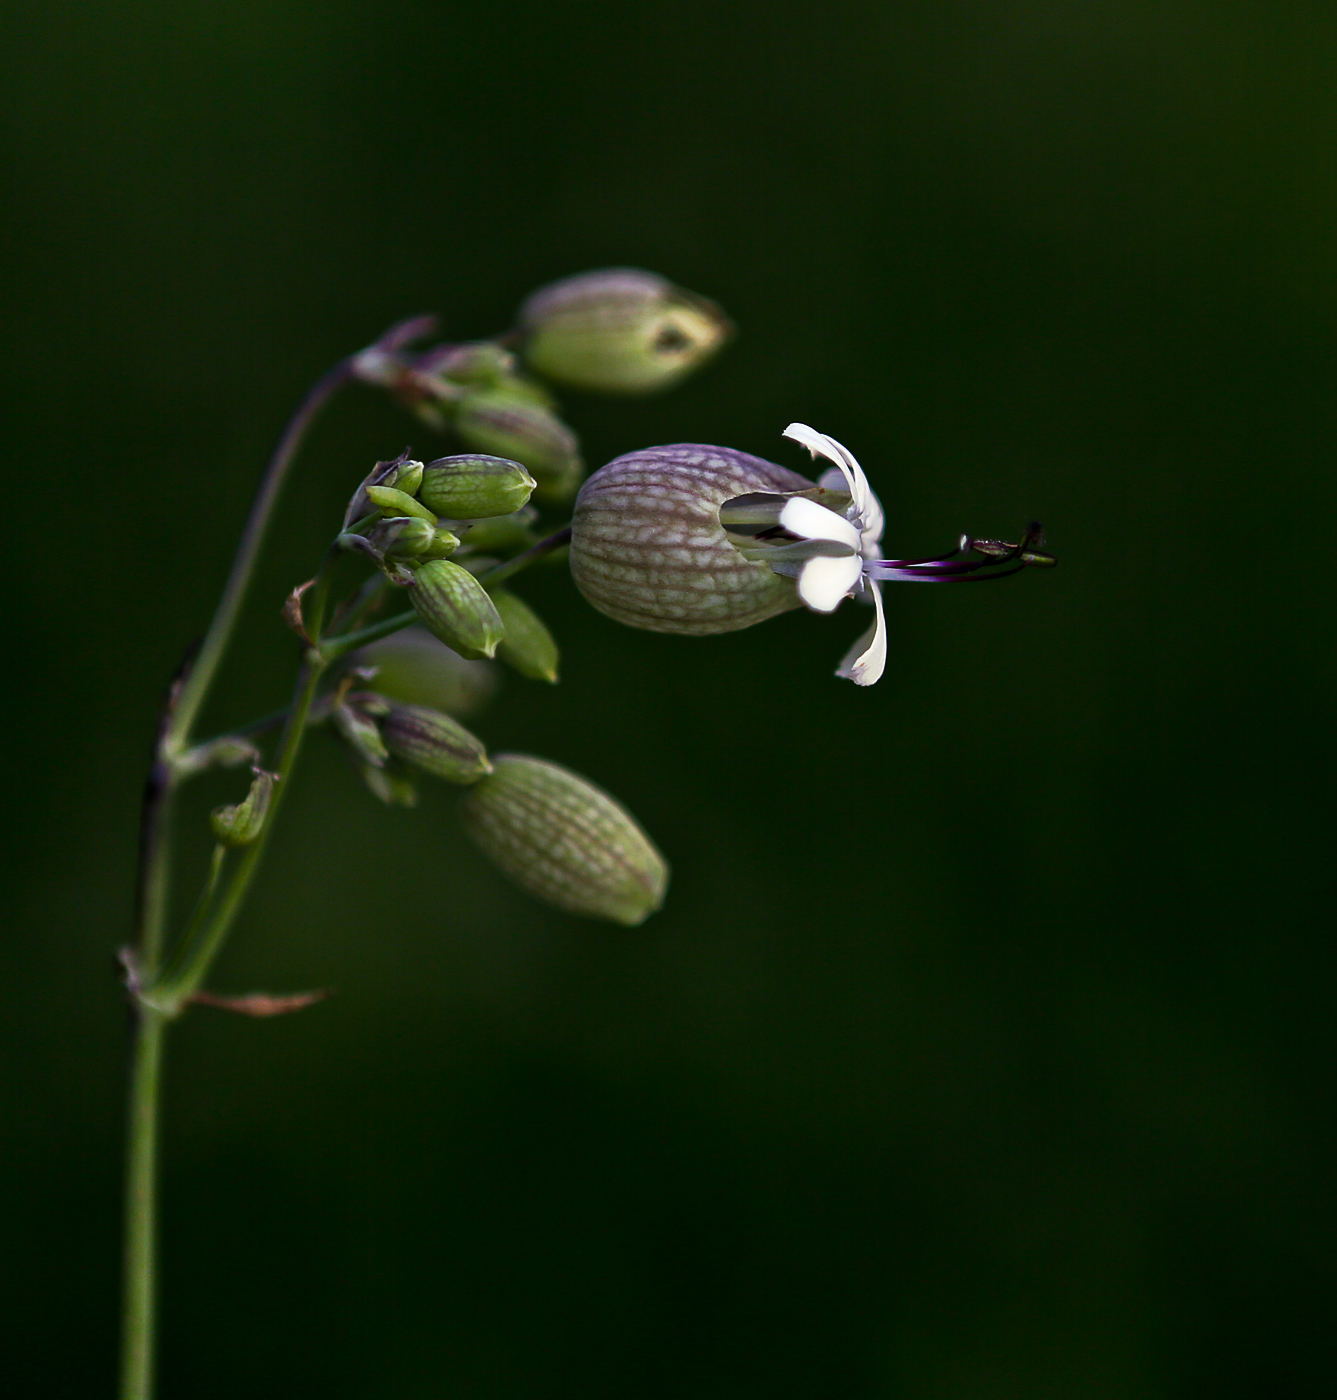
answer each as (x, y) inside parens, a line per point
(696, 539)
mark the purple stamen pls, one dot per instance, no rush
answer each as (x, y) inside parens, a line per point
(1000, 560)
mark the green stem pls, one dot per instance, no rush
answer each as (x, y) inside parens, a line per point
(172, 993)
(138, 1309)
(522, 561)
(186, 943)
(248, 551)
(138, 1305)
(341, 646)
(367, 598)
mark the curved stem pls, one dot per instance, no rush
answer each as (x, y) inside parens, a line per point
(138, 1308)
(248, 550)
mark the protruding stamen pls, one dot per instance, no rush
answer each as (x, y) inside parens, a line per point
(1000, 559)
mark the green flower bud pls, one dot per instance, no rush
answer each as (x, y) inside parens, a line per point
(565, 840)
(360, 734)
(619, 331)
(473, 487)
(648, 549)
(505, 425)
(240, 823)
(455, 608)
(435, 743)
(528, 646)
(477, 362)
(391, 501)
(444, 543)
(390, 785)
(413, 668)
(408, 478)
(403, 537)
(385, 474)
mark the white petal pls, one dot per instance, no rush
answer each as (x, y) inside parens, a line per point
(822, 446)
(824, 582)
(867, 668)
(810, 521)
(873, 523)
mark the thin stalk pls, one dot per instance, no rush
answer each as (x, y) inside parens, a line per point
(172, 993)
(138, 1308)
(138, 1317)
(522, 561)
(155, 820)
(367, 598)
(248, 551)
(250, 730)
(336, 647)
(186, 942)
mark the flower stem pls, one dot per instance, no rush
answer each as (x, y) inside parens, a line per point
(522, 561)
(340, 646)
(138, 1304)
(187, 695)
(248, 551)
(173, 992)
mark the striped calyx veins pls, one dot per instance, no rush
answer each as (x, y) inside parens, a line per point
(649, 550)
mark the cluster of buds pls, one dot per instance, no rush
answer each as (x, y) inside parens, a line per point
(554, 833)
(433, 529)
(615, 331)
(411, 519)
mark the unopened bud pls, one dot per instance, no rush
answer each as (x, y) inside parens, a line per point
(619, 331)
(435, 743)
(361, 734)
(455, 608)
(481, 362)
(414, 668)
(473, 487)
(408, 478)
(444, 543)
(565, 841)
(385, 474)
(528, 646)
(403, 537)
(240, 823)
(389, 500)
(505, 425)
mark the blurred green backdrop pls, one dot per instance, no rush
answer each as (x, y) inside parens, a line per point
(984, 1048)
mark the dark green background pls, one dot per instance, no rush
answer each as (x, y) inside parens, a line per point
(984, 1048)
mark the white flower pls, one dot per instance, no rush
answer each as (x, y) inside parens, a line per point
(836, 554)
(827, 579)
